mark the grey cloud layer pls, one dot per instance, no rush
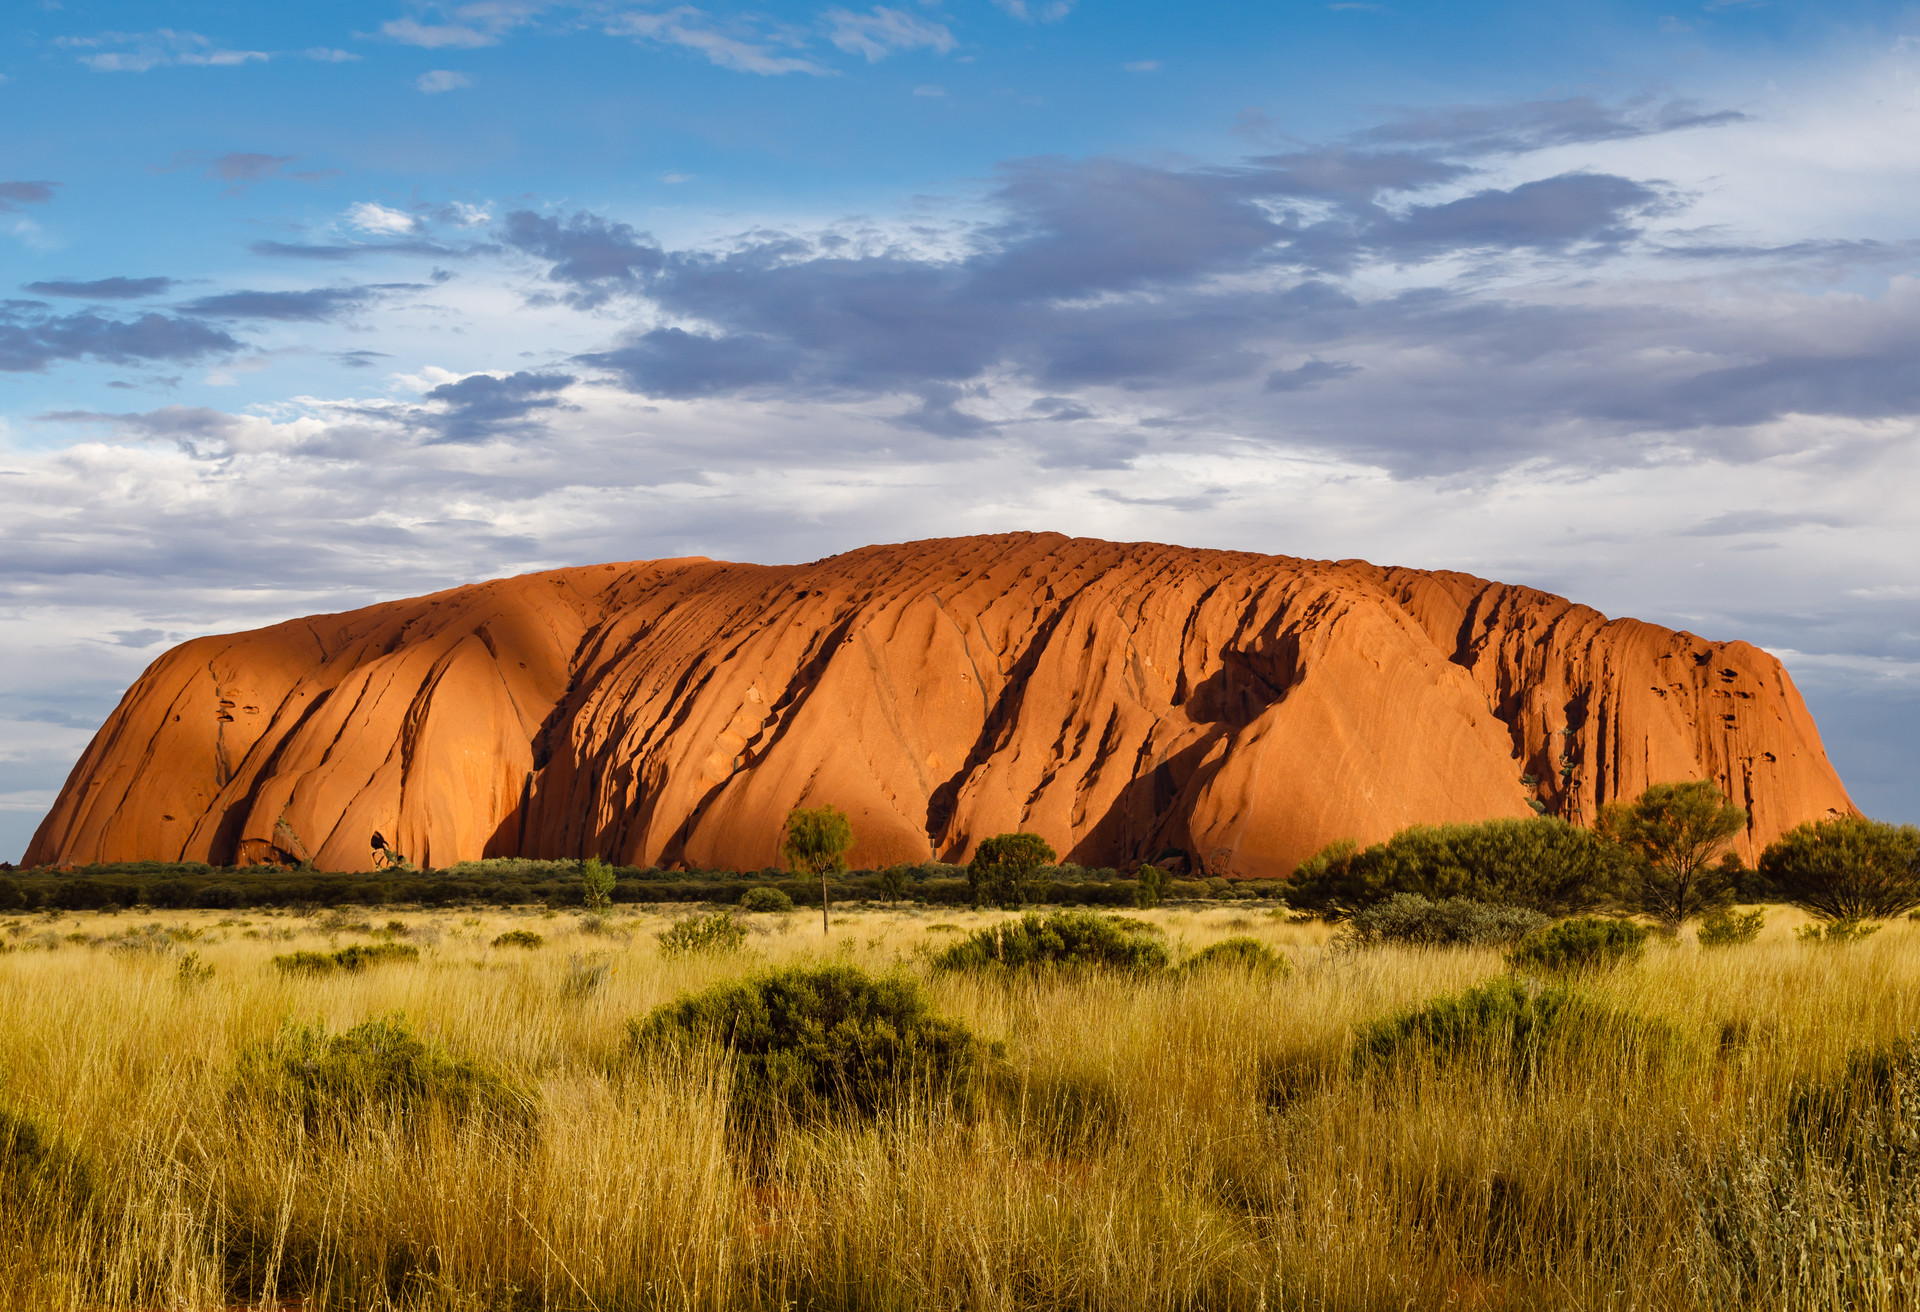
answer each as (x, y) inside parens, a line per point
(31, 338)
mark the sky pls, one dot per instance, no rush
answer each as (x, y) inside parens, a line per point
(304, 307)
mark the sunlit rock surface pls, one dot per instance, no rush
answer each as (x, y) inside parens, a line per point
(1122, 700)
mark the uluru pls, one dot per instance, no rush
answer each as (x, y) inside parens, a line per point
(1127, 701)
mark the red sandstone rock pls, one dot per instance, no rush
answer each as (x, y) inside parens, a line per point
(1119, 699)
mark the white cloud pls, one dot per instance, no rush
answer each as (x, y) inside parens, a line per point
(140, 51)
(371, 216)
(1051, 12)
(1142, 66)
(884, 31)
(324, 55)
(442, 79)
(443, 36)
(692, 29)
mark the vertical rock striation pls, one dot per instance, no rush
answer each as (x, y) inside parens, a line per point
(1124, 700)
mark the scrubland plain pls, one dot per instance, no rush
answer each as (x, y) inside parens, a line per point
(1188, 1140)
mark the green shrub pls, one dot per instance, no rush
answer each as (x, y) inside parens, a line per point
(1846, 868)
(1150, 888)
(1457, 922)
(1586, 943)
(518, 938)
(766, 899)
(596, 884)
(1062, 938)
(331, 1081)
(1836, 933)
(1728, 928)
(1239, 953)
(1003, 867)
(703, 935)
(813, 1041)
(1503, 1016)
(352, 960)
(1542, 863)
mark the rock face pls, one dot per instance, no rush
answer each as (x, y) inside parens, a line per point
(1120, 699)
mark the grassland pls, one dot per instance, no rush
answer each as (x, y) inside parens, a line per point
(1201, 1140)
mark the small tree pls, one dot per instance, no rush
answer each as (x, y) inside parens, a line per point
(1002, 868)
(1847, 868)
(1675, 833)
(596, 884)
(816, 844)
(1151, 889)
(893, 882)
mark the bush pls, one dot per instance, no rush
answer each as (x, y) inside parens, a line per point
(41, 1179)
(1457, 922)
(1846, 868)
(1728, 928)
(1836, 933)
(1587, 943)
(1150, 890)
(219, 897)
(702, 935)
(1503, 1016)
(596, 884)
(1002, 869)
(1239, 953)
(813, 1041)
(332, 1081)
(518, 938)
(766, 899)
(1062, 938)
(352, 960)
(1545, 864)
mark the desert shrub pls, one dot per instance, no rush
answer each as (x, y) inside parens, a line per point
(1059, 939)
(1241, 952)
(1002, 872)
(1459, 921)
(1585, 943)
(11, 896)
(1545, 864)
(1727, 928)
(1061, 1112)
(219, 897)
(585, 975)
(352, 960)
(41, 1179)
(514, 867)
(1504, 1016)
(1835, 933)
(596, 884)
(1845, 868)
(820, 1040)
(331, 1081)
(703, 935)
(1150, 887)
(192, 972)
(1855, 1113)
(518, 938)
(766, 899)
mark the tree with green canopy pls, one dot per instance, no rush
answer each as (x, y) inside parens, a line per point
(1846, 868)
(1002, 868)
(1676, 833)
(815, 844)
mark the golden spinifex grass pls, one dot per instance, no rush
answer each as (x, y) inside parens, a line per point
(1202, 1139)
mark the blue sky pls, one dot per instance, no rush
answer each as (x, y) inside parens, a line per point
(314, 305)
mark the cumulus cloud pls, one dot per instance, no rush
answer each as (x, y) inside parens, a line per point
(596, 258)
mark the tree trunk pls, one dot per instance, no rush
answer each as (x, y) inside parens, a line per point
(823, 904)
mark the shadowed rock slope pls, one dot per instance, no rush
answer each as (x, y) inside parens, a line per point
(1121, 699)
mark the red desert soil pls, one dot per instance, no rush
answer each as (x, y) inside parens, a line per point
(1120, 699)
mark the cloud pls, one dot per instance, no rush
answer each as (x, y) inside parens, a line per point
(443, 36)
(1142, 66)
(102, 289)
(371, 216)
(314, 305)
(440, 80)
(1052, 11)
(1549, 214)
(1538, 124)
(597, 257)
(1300, 378)
(335, 252)
(31, 339)
(883, 31)
(138, 52)
(483, 406)
(743, 49)
(15, 194)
